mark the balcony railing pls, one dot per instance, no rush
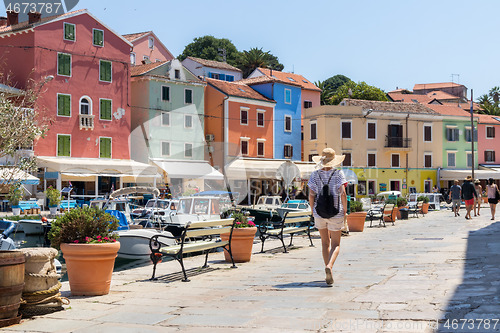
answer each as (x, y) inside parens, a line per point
(397, 142)
(86, 122)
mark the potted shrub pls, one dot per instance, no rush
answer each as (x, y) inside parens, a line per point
(15, 195)
(402, 203)
(425, 205)
(87, 240)
(54, 196)
(356, 218)
(241, 239)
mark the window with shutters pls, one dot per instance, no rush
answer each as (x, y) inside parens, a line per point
(347, 160)
(188, 150)
(288, 96)
(165, 148)
(395, 160)
(63, 145)
(104, 147)
(427, 160)
(243, 116)
(452, 134)
(244, 147)
(64, 64)
(165, 93)
(165, 119)
(288, 123)
(105, 71)
(260, 118)
(314, 134)
(427, 133)
(489, 156)
(105, 109)
(98, 37)
(346, 129)
(188, 121)
(469, 160)
(260, 148)
(490, 132)
(69, 32)
(288, 151)
(372, 159)
(371, 131)
(451, 159)
(468, 136)
(64, 105)
(188, 96)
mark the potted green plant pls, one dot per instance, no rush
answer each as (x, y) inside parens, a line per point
(402, 203)
(54, 196)
(15, 195)
(425, 205)
(241, 239)
(89, 245)
(356, 218)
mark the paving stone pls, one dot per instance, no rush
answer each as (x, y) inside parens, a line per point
(51, 325)
(134, 318)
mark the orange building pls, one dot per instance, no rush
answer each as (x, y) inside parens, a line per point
(238, 122)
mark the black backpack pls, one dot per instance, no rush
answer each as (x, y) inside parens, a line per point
(325, 206)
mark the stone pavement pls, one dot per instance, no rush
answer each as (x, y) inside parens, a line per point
(437, 273)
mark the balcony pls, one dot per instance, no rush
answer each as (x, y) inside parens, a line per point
(86, 122)
(397, 143)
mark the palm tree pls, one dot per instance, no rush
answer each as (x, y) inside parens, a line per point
(255, 58)
(491, 102)
(326, 93)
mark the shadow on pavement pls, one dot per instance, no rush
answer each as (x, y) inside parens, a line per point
(312, 284)
(475, 305)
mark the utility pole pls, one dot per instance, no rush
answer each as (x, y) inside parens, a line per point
(472, 129)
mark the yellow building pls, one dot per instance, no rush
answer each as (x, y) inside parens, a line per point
(390, 146)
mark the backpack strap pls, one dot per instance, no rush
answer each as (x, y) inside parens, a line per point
(321, 180)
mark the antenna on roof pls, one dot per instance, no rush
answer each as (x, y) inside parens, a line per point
(222, 53)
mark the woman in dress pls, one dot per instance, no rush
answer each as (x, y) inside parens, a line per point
(329, 228)
(479, 192)
(492, 189)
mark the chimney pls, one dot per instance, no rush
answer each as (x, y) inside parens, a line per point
(3, 21)
(12, 18)
(34, 17)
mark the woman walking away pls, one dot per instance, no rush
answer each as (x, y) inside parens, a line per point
(492, 190)
(327, 184)
(468, 194)
(479, 192)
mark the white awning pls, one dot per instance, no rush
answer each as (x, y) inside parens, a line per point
(245, 168)
(188, 169)
(91, 167)
(9, 175)
(450, 174)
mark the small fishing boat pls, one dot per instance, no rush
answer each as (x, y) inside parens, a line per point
(33, 227)
(293, 206)
(265, 209)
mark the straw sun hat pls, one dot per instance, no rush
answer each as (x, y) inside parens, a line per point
(328, 159)
(468, 178)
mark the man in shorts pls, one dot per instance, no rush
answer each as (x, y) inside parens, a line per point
(468, 194)
(455, 197)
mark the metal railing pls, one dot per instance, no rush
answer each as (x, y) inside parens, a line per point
(397, 142)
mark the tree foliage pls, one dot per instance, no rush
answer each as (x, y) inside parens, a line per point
(255, 58)
(334, 82)
(490, 102)
(360, 90)
(207, 47)
(326, 94)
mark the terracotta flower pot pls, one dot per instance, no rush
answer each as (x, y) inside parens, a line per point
(398, 213)
(425, 207)
(90, 267)
(393, 215)
(356, 221)
(241, 244)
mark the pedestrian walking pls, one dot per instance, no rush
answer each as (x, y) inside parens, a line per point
(479, 192)
(492, 190)
(456, 197)
(329, 228)
(468, 194)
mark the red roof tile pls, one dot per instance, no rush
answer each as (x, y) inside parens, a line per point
(134, 36)
(390, 106)
(266, 79)
(488, 119)
(237, 89)
(439, 95)
(409, 98)
(289, 78)
(26, 25)
(436, 86)
(215, 64)
(448, 110)
(143, 69)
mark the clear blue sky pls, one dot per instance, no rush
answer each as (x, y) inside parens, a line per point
(387, 44)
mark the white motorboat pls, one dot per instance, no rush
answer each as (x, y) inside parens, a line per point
(32, 227)
(293, 206)
(134, 243)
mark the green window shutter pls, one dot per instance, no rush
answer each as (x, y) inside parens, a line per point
(64, 105)
(63, 64)
(63, 145)
(105, 71)
(105, 148)
(188, 96)
(98, 37)
(105, 109)
(69, 31)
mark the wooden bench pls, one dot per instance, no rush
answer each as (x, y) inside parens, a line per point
(67, 205)
(416, 209)
(29, 207)
(381, 214)
(199, 236)
(291, 224)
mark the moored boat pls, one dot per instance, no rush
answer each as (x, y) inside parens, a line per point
(293, 206)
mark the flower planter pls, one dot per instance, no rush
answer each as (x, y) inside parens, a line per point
(425, 207)
(90, 267)
(53, 210)
(356, 221)
(241, 244)
(16, 210)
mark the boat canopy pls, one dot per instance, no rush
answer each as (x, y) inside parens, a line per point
(135, 189)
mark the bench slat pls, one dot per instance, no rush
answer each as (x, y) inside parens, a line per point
(212, 223)
(207, 232)
(297, 219)
(288, 230)
(193, 247)
(296, 214)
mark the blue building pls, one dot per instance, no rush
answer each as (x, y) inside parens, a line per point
(287, 114)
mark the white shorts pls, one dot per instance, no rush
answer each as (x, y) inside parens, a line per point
(332, 224)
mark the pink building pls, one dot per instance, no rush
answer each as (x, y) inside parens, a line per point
(488, 139)
(82, 69)
(147, 48)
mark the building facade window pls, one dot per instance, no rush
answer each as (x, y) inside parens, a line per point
(64, 105)
(165, 148)
(308, 104)
(105, 147)
(288, 151)
(63, 145)
(371, 129)
(427, 133)
(64, 64)
(133, 58)
(260, 148)
(288, 96)
(85, 106)
(452, 134)
(313, 127)
(372, 187)
(244, 147)
(490, 132)
(468, 136)
(165, 119)
(288, 123)
(451, 159)
(346, 129)
(105, 71)
(489, 156)
(395, 160)
(98, 37)
(260, 118)
(105, 109)
(372, 160)
(347, 160)
(188, 96)
(427, 160)
(188, 121)
(151, 43)
(177, 74)
(165, 93)
(69, 32)
(188, 150)
(469, 160)
(243, 116)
